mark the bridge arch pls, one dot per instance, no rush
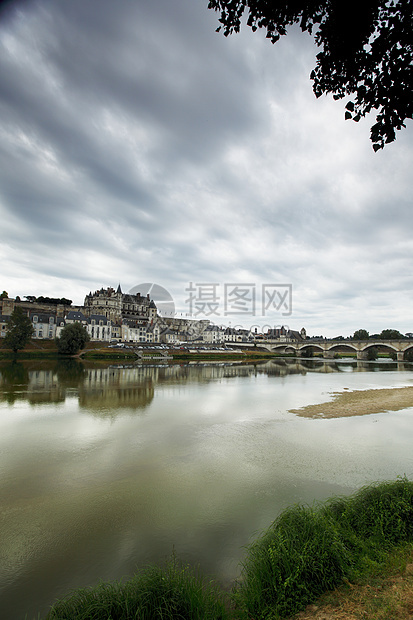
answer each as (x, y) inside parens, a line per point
(409, 351)
(314, 346)
(341, 347)
(380, 346)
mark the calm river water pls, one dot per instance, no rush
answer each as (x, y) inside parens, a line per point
(105, 468)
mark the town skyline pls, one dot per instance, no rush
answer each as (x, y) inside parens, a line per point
(118, 312)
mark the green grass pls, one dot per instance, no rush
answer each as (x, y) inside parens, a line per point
(89, 355)
(309, 550)
(171, 592)
(304, 553)
(299, 557)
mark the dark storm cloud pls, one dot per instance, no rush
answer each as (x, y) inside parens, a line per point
(134, 59)
(88, 58)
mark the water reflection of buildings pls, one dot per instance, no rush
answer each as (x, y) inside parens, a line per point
(116, 388)
(38, 386)
(44, 387)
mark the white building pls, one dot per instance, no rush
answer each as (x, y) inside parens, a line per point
(139, 331)
(44, 325)
(99, 328)
(213, 334)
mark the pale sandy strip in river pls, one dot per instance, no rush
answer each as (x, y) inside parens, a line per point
(360, 402)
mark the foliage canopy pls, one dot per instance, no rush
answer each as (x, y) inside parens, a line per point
(19, 330)
(361, 334)
(72, 339)
(391, 334)
(53, 301)
(366, 51)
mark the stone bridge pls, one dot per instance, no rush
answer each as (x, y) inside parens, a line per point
(329, 347)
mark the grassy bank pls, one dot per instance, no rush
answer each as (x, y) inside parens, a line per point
(304, 553)
(47, 349)
(387, 595)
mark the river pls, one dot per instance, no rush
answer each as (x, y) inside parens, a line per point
(105, 468)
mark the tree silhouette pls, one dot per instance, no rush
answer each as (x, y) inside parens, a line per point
(366, 51)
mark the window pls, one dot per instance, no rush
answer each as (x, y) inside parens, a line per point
(35, 318)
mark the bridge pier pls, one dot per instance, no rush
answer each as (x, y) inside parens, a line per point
(400, 356)
(361, 355)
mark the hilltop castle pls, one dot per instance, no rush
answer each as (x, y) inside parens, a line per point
(110, 315)
(116, 305)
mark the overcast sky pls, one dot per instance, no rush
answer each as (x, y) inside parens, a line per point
(140, 146)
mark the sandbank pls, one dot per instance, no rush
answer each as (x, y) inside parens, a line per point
(359, 402)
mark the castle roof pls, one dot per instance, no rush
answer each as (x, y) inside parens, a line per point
(75, 316)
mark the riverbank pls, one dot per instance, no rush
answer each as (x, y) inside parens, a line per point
(46, 349)
(346, 542)
(387, 595)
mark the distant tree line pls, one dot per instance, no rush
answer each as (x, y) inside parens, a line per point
(53, 301)
(386, 334)
(363, 334)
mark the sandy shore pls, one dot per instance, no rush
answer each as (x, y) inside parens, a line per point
(359, 402)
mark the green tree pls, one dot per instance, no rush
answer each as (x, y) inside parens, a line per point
(361, 334)
(391, 334)
(366, 51)
(72, 339)
(53, 300)
(19, 330)
(4, 295)
(372, 354)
